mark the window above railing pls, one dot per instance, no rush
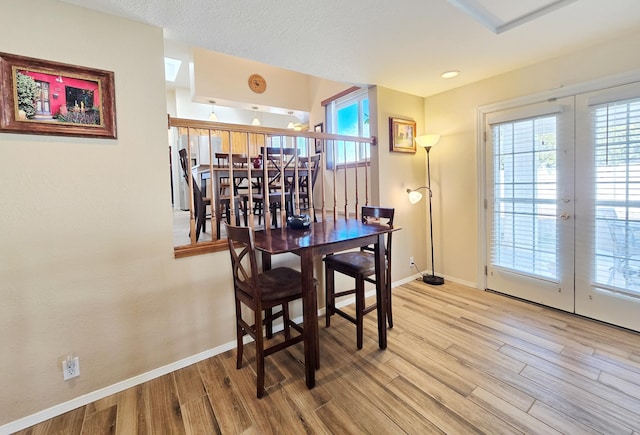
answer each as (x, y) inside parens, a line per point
(257, 176)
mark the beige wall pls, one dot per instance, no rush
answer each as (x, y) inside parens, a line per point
(397, 172)
(86, 252)
(454, 160)
(211, 77)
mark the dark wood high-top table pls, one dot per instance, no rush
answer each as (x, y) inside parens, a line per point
(323, 238)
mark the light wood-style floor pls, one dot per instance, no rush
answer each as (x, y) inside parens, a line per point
(459, 361)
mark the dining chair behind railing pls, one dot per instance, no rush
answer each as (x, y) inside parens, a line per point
(309, 167)
(280, 162)
(200, 202)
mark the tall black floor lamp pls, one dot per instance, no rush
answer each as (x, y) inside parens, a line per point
(427, 141)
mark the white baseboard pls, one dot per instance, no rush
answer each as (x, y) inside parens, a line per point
(85, 399)
(446, 278)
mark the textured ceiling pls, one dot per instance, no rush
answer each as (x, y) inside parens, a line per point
(403, 44)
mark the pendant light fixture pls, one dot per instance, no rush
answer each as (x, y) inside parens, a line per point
(255, 121)
(213, 116)
(291, 125)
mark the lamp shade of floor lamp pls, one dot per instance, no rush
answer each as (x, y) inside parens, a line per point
(427, 141)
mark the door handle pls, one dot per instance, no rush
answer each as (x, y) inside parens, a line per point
(565, 216)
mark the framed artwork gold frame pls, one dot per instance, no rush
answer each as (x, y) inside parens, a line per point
(51, 98)
(402, 133)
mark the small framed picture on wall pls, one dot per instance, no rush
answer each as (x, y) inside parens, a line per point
(402, 133)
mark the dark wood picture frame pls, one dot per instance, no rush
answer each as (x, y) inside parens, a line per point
(51, 98)
(318, 144)
(402, 133)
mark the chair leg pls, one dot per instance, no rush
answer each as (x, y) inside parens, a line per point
(199, 218)
(359, 311)
(259, 341)
(274, 217)
(246, 211)
(269, 325)
(285, 321)
(239, 335)
(389, 315)
(329, 294)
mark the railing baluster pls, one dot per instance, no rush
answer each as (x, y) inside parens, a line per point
(247, 140)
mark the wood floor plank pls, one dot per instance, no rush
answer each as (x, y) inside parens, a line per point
(605, 365)
(625, 361)
(159, 407)
(517, 418)
(189, 384)
(404, 416)
(542, 325)
(544, 359)
(198, 417)
(626, 387)
(127, 405)
(559, 421)
(440, 415)
(273, 410)
(226, 401)
(68, 423)
(598, 388)
(546, 392)
(507, 333)
(102, 422)
(602, 410)
(419, 355)
(494, 385)
(359, 408)
(458, 410)
(440, 325)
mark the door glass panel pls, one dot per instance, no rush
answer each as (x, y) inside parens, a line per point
(523, 228)
(617, 195)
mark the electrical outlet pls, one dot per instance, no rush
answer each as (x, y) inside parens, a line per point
(70, 367)
(411, 262)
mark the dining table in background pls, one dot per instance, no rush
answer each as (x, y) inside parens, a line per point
(322, 238)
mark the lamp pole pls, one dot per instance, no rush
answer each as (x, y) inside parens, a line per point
(431, 279)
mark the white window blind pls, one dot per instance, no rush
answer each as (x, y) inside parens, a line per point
(523, 193)
(616, 135)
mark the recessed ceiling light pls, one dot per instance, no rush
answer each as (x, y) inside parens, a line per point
(450, 74)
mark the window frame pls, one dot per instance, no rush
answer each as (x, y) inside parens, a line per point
(356, 96)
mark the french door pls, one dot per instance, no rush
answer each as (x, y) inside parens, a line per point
(563, 204)
(608, 232)
(530, 221)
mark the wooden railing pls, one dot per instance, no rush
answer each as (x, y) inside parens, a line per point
(340, 182)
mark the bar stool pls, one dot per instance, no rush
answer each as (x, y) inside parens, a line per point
(361, 266)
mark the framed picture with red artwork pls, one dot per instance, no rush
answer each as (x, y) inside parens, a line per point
(43, 97)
